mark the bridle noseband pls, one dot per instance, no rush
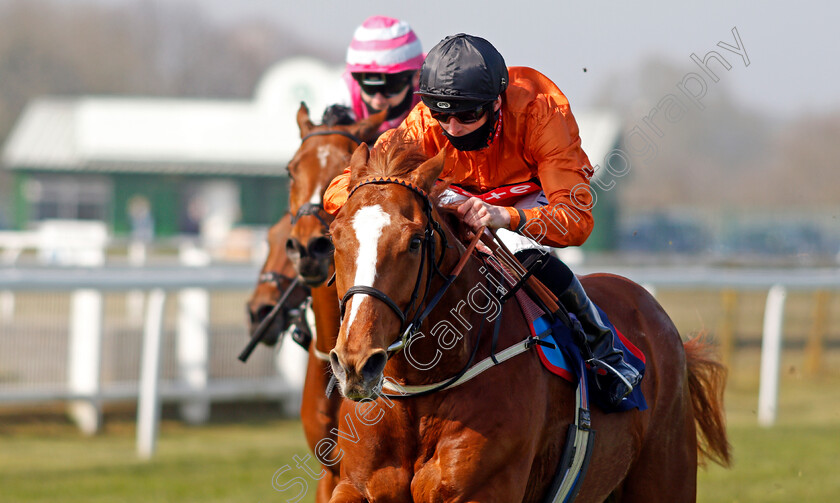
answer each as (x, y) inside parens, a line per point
(314, 209)
(427, 255)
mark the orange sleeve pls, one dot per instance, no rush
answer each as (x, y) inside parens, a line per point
(514, 218)
(562, 165)
(336, 194)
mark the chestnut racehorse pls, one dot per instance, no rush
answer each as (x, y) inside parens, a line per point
(499, 436)
(303, 247)
(277, 277)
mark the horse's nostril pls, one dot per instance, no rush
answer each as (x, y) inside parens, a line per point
(294, 250)
(321, 247)
(335, 363)
(374, 366)
(261, 313)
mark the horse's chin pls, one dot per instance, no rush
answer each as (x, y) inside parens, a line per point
(358, 391)
(314, 281)
(313, 273)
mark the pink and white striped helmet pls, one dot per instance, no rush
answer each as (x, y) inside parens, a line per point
(384, 45)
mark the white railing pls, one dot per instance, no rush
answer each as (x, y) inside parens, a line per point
(194, 388)
(777, 283)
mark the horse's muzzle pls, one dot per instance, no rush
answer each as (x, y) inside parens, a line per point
(313, 261)
(359, 381)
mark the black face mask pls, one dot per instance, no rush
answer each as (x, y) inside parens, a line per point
(478, 139)
(396, 111)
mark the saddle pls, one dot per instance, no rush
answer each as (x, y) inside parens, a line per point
(555, 328)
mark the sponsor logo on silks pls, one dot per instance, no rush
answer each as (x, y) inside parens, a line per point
(503, 196)
(443, 104)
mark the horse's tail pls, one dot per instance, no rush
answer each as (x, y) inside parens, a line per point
(706, 381)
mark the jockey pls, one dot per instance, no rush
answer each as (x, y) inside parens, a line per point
(383, 70)
(512, 128)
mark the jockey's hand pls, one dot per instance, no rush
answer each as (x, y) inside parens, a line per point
(477, 213)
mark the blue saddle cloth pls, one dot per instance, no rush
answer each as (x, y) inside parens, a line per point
(564, 359)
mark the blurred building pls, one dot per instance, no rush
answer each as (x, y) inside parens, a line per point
(202, 165)
(171, 166)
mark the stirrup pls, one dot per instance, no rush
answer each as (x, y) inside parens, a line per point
(596, 364)
(614, 384)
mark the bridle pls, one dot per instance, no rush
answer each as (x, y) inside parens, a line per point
(259, 332)
(315, 210)
(410, 325)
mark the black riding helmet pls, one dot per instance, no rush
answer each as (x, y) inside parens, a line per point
(461, 72)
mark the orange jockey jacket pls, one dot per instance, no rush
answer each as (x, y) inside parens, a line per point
(537, 140)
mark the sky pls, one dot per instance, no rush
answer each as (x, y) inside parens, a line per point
(793, 49)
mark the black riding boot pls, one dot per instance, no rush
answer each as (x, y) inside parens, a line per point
(597, 347)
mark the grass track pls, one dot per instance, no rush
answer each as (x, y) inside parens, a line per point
(44, 459)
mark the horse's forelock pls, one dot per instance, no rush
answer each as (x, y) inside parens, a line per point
(398, 158)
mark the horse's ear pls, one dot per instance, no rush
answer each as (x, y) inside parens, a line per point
(429, 171)
(358, 164)
(368, 129)
(303, 121)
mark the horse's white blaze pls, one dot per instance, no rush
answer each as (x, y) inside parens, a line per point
(315, 198)
(323, 154)
(368, 224)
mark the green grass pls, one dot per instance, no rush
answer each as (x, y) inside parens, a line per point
(44, 459)
(215, 463)
(784, 464)
(794, 460)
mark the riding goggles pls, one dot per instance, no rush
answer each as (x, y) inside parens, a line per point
(464, 116)
(389, 84)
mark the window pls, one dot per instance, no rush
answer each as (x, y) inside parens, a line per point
(68, 197)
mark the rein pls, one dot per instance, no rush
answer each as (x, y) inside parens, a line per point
(259, 332)
(330, 132)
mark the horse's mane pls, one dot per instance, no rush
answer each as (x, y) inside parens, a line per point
(337, 115)
(398, 158)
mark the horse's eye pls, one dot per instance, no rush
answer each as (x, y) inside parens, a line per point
(415, 244)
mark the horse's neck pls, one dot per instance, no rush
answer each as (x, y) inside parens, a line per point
(446, 338)
(327, 318)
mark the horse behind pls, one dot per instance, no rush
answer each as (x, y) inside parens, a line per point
(499, 436)
(276, 279)
(299, 245)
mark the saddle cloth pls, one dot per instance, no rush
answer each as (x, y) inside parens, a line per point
(564, 359)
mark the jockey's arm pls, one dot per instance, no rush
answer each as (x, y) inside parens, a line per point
(477, 213)
(554, 146)
(336, 194)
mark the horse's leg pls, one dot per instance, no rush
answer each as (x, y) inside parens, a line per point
(326, 486)
(318, 412)
(345, 492)
(666, 470)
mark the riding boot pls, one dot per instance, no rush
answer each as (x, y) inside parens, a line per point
(597, 346)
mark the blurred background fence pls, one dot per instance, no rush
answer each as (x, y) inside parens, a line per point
(81, 335)
(88, 335)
